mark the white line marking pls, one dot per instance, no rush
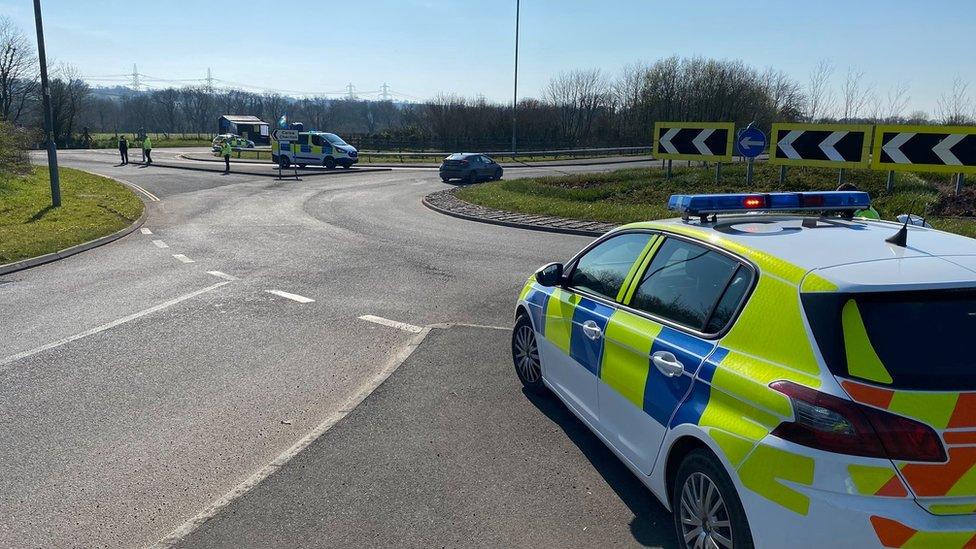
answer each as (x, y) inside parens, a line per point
(145, 231)
(190, 526)
(110, 325)
(293, 297)
(148, 194)
(151, 196)
(160, 244)
(225, 276)
(392, 323)
(183, 258)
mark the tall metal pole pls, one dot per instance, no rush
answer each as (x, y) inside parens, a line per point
(52, 147)
(515, 92)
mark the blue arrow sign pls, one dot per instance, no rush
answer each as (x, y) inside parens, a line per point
(751, 142)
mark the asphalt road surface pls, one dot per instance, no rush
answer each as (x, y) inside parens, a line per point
(145, 379)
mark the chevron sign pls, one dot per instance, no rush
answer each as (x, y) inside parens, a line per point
(925, 148)
(824, 145)
(694, 140)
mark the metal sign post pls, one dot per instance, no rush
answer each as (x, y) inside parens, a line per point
(286, 136)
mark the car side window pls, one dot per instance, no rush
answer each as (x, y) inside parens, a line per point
(603, 269)
(691, 285)
(303, 139)
(317, 140)
(486, 160)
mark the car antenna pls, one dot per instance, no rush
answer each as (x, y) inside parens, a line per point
(900, 238)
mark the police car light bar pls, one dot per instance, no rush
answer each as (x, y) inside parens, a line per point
(704, 204)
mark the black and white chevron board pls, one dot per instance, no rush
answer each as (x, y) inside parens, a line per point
(821, 145)
(948, 149)
(694, 141)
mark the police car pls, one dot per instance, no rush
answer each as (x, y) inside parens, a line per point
(775, 379)
(236, 141)
(314, 148)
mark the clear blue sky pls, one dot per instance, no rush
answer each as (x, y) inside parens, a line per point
(423, 47)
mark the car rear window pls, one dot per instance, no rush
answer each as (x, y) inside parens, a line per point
(923, 339)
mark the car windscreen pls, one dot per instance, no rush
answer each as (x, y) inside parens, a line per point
(334, 139)
(923, 339)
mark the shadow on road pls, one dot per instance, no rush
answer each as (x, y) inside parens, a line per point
(651, 525)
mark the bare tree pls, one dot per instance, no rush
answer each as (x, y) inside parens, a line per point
(856, 94)
(18, 71)
(954, 106)
(578, 95)
(897, 102)
(820, 96)
(68, 95)
(784, 93)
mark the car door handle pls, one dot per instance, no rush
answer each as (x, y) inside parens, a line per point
(667, 364)
(591, 330)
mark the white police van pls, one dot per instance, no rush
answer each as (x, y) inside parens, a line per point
(314, 148)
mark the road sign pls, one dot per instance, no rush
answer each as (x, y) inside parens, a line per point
(694, 140)
(821, 145)
(950, 149)
(751, 142)
(284, 135)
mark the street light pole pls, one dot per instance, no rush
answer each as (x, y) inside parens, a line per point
(515, 93)
(52, 147)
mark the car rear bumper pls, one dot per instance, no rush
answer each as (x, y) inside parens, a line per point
(453, 173)
(830, 511)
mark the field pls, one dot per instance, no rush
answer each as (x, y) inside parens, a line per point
(160, 140)
(92, 207)
(640, 194)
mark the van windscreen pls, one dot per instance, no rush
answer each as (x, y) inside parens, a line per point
(924, 340)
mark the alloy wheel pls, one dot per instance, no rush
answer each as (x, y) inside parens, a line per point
(705, 521)
(527, 354)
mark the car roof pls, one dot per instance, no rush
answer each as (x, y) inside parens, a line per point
(852, 255)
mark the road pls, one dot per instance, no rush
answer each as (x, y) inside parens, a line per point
(145, 379)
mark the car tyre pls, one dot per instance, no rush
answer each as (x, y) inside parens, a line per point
(445, 179)
(707, 510)
(525, 356)
(329, 163)
(472, 177)
(498, 174)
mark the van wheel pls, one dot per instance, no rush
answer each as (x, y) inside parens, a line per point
(525, 355)
(284, 162)
(329, 163)
(707, 510)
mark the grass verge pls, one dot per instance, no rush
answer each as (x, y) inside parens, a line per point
(91, 207)
(624, 196)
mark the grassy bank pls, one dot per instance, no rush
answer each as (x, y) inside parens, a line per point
(92, 207)
(624, 196)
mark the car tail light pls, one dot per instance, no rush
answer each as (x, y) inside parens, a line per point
(833, 424)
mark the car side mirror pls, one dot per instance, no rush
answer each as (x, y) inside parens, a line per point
(550, 275)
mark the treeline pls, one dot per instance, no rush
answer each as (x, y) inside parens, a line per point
(582, 108)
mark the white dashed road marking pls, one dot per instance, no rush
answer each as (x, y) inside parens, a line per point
(293, 297)
(183, 258)
(219, 274)
(160, 244)
(392, 323)
(145, 231)
(109, 325)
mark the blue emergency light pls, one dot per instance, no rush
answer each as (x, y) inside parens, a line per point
(704, 204)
